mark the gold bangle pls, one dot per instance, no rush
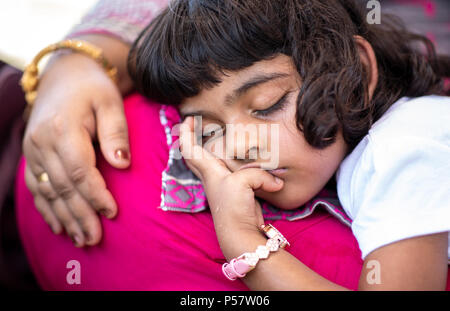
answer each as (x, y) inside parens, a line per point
(30, 79)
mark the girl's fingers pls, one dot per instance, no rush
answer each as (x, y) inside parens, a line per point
(199, 160)
(259, 179)
(259, 214)
(188, 146)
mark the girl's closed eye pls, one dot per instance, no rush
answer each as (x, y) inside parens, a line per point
(279, 105)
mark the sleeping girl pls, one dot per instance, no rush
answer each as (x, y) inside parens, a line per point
(362, 104)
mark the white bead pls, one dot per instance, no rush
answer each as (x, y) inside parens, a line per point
(272, 245)
(262, 251)
(251, 259)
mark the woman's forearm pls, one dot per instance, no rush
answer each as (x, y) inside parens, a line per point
(116, 52)
(113, 26)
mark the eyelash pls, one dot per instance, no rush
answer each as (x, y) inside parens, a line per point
(275, 107)
(279, 105)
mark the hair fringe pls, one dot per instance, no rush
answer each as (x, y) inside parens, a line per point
(188, 46)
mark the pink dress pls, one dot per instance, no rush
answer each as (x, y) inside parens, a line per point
(148, 248)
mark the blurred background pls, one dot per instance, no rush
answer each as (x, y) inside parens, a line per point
(26, 26)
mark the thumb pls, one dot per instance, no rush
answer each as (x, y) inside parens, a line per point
(112, 132)
(259, 179)
(259, 214)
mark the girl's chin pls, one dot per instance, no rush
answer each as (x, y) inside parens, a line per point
(278, 200)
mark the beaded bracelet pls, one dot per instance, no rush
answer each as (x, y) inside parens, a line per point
(240, 266)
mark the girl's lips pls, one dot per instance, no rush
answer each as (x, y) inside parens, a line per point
(279, 172)
(250, 165)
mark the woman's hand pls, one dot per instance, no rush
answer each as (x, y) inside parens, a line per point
(76, 103)
(230, 195)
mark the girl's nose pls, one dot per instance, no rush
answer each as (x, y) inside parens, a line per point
(239, 144)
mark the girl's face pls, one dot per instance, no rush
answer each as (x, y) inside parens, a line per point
(263, 97)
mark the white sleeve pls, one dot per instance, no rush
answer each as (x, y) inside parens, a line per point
(401, 190)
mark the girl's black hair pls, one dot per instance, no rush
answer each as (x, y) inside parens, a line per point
(190, 44)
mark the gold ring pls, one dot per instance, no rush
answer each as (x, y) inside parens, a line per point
(43, 177)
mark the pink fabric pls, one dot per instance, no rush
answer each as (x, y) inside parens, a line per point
(146, 248)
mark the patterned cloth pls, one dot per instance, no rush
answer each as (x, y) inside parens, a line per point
(123, 19)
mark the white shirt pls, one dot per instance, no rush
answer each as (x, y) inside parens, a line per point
(396, 183)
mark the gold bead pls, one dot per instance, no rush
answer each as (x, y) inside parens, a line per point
(30, 97)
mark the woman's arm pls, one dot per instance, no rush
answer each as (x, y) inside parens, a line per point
(113, 26)
(76, 104)
(115, 50)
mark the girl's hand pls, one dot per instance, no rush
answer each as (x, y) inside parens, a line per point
(77, 103)
(231, 195)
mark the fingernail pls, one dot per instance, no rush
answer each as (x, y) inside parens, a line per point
(105, 212)
(76, 240)
(121, 154)
(278, 180)
(54, 229)
(88, 236)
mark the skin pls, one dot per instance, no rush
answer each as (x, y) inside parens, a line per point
(59, 139)
(307, 169)
(418, 263)
(94, 112)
